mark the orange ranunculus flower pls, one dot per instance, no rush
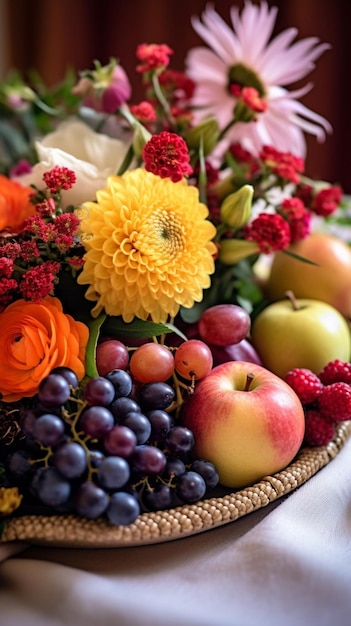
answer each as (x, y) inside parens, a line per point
(35, 338)
(15, 205)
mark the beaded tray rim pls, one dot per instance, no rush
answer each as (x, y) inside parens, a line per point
(71, 531)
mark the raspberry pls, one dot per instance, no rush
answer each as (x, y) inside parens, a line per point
(336, 372)
(334, 402)
(305, 383)
(318, 430)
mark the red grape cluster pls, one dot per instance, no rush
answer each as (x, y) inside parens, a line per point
(326, 398)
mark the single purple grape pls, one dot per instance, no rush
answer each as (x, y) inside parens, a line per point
(123, 405)
(96, 421)
(120, 441)
(159, 499)
(207, 470)
(156, 396)
(174, 467)
(99, 391)
(139, 424)
(179, 440)
(113, 472)
(90, 501)
(70, 459)
(68, 374)
(148, 460)
(51, 487)
(161, 422)
(121, 381)
(190, 487)
(123, 509)
(48, 429)
(54, 390)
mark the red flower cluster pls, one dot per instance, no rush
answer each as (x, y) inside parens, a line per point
(59, 178)
(144, 112)
(31, 260)
(277, 231)
(326, 201)
(270, 161)
(283, 164)
(47, 208)
(38, 282)
(153, 57)
(291, 220)
(298, 217)
(323, 202)
(7, 284)
(167, 156)
(270, 231)
(177, 86)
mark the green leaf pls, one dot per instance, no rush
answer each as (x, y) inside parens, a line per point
(46, 108)
(90, 355)
(176, 330)
(138, 329)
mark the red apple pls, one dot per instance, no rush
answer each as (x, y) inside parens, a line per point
(242, 351)
(245, 420)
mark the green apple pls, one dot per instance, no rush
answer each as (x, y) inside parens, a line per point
(245, 420)
(300, 333)
(329, 280)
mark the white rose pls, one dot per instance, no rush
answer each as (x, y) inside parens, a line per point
(92, 156)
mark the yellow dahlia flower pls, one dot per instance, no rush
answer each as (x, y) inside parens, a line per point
(148, 247)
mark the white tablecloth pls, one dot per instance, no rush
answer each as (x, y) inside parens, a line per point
(286, 565)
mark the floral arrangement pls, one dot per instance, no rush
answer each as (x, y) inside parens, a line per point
(129, 219)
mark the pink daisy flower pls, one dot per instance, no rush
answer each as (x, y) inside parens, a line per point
(247, 57)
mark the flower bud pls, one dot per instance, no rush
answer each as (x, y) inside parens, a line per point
(105, 88)
(236, 208)
(232, 251)
(207, 132)
(243, 113)
(17, 96)
(117, 92)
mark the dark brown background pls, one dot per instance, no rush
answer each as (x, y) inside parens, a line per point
(51, 34)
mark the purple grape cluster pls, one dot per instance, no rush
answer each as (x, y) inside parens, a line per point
(97, 450)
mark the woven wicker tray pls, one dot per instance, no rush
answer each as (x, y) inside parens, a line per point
(76, 532)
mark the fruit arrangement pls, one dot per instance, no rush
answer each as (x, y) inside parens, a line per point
(116, 445)
(163, 425)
